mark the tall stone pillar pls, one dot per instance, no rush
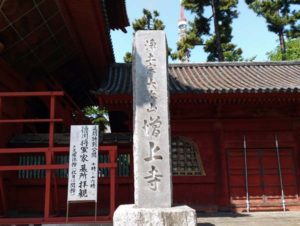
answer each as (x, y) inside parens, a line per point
(151, 140)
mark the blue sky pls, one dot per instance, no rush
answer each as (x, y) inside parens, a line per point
(249, 31)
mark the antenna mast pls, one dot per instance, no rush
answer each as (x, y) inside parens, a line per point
(182, 29)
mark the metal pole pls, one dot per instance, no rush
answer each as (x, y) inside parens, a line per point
(280, 173)
(246, 176)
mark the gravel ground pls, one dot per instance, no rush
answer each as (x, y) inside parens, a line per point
(250, 219)
(239, 219)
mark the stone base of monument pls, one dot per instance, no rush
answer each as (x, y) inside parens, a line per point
(126, 215)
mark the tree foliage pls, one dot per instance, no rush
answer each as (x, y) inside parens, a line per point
(128, 57)
(149, 21)
(292, 51)
(186, 44)
(218, 45)
(280, 18)
(97, 115)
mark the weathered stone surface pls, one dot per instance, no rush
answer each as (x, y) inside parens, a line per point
(127, 215)
(152, 169)
(95, 224)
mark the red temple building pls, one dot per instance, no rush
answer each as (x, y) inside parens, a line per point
(52, 54)
(235, 126)
(234, 129)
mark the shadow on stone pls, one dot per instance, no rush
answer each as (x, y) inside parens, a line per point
(205, 224)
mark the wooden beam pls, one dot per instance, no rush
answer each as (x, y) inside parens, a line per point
(91, 34)
(31, 94)
(2, 195)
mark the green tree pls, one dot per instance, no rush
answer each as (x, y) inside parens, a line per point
(186, 44)
(128, 57)
(149, 21)
(294, 32)
(292, 51)
(218, 45)
(280, 18)
(97, 115)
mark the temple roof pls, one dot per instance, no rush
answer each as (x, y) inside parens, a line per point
(225, 77)
(65, 44)
(117, 15)
(43, 33)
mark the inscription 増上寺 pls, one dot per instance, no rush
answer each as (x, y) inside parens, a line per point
(153, 178)
(153, 150)
(152, 126)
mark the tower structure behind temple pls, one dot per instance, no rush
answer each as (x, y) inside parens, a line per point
(182, 32)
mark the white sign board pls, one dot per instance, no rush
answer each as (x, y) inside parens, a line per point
(83, 163)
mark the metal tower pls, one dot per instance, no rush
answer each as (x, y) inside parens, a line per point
(182, 29)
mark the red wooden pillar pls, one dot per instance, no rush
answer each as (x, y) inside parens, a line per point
(113, 161)
(296, 134)
(2, 195)
(0, 107)
(0, 112)
(55, 191)
(221, 167)
(49, 156)
(53, 108)
(47, 186)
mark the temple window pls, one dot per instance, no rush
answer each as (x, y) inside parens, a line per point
(123, 166)
(31, 160)
(186, 160)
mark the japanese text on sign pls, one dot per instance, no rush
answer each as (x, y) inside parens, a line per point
(83, 163)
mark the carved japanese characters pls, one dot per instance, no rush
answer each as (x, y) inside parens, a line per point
(151, 126)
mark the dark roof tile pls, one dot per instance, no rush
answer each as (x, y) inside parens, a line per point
(237, 77)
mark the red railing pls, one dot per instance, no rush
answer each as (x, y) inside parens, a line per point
(50, 165)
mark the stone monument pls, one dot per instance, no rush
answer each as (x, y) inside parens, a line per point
(151, 140)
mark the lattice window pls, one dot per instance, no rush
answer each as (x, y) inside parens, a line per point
(31, 160)
(123, 166)
(186, 160)
(62, 159)
(103, 172)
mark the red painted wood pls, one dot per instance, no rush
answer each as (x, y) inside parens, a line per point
(31, 94)
(49, 159)
(198, 122)
(0, 107)
(49, 166)
(47, 187)
(258, 116)
(112, 165)
(9, 79)
(113, 159)
(263, 178)
(90, 32)
(26, 150)
(22, 121)
(2, 195)
(55, 193)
